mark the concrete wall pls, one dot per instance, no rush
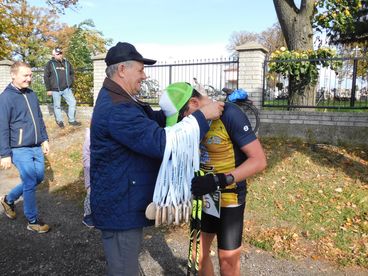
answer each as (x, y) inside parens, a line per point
(316, 127)
(5, 78)
(99, 75)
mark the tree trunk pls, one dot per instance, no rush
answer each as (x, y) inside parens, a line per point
(306, 98)
(296, 25)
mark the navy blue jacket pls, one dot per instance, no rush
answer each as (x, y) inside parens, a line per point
(127, 147)
(21, 122)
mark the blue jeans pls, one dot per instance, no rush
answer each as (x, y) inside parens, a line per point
(70, 100)
(122, 251)
(31, 167)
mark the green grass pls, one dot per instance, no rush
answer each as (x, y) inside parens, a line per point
(338, 106)
(76, 156)
(312, 200)
(316, 194)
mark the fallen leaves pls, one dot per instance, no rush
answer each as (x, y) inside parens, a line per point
(319, 194)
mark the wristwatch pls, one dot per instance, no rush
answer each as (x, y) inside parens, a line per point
(229, 179)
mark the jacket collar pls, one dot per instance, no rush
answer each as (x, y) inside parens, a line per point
(17, 90)
(118, 93)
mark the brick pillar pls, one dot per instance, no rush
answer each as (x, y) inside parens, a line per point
(5, 77)
(99, 74)
(251, 62)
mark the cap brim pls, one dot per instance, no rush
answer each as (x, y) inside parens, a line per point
(172, 120)
(147, 61)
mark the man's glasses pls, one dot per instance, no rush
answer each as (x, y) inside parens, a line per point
(59, 54)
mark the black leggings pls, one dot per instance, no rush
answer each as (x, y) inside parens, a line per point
(228, 228)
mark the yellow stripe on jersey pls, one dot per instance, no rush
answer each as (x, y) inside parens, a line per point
(217, 156)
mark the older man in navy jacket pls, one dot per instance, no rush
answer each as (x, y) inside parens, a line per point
(127, 146)
(23, 142)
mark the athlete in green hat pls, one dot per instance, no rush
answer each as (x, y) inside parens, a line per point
(230, 153)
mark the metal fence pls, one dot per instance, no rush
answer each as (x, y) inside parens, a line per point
(82, 87)
(211, 74)
(345, 87)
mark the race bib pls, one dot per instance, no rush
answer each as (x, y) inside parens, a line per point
(212, 204)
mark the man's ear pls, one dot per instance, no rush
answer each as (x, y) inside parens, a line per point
(194, 103)
(121, 70)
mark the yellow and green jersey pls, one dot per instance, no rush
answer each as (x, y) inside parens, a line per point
(221, 150)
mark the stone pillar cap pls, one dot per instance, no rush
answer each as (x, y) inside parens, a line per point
(99, 57)
(251, 46)
(6, 62)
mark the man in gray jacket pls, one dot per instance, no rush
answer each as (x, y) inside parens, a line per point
(59, 78)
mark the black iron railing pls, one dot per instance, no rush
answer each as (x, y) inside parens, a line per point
(216, 73)
(344, 87)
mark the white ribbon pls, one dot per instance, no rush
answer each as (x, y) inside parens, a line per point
(180, 161)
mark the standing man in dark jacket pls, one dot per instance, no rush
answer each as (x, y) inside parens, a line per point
(23, 141)
(127, 146)
(59, 78)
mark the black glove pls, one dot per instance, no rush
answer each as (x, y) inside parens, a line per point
(208, 183)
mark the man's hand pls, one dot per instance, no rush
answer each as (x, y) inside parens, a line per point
(49, 93)
(45, 147)
(213, 110)
(208, 183)
(5, 162)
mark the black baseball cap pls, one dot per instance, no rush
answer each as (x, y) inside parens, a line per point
(124, 51)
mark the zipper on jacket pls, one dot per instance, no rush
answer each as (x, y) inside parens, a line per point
(33, 120)
(20, 136)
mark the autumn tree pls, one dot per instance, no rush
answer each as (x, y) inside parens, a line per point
(85, 41)
(271, 39)
(296, 23)
(36, 27)
(8, 29)
(344, 21)
(59, 6)
(345, 24)
(29, 33)
(337, 18)
(239, 38)
(25, 30)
